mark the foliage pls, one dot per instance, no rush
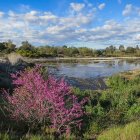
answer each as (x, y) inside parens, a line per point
(28, 50)
(47, 103)
(112, 113)
(117, 105)
(7, 47)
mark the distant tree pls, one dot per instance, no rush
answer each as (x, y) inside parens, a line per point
(98, 53)
(9, 44)
(137, 47)
(50, 51)
(73, 51)
(121, 48)
(130, 50)
(7, 47)
(85, 51)
(110, 50)
(137, 50)
(60, 51)
(64, 46)
(26, 46)
(27, 50)
(2, 47)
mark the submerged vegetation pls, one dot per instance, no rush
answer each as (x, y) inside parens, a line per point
(40, 109)
(28, 50)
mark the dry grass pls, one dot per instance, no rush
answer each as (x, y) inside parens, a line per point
(14, 58)
(130, 74)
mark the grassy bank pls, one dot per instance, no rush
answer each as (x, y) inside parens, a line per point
(130, 131)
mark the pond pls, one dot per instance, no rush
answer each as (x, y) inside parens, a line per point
(93, 69)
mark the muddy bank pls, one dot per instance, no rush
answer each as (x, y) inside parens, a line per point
(97, 83)
(131, 74)
(75, 59)
(70, 59)
(87, 84)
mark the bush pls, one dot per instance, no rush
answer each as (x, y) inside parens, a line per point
(133, 113)
(47, 103)
(116, 82)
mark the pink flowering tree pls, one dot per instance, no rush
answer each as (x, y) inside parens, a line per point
(47, 102)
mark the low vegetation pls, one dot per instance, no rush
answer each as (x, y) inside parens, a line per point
(130, 131)
(39, 109)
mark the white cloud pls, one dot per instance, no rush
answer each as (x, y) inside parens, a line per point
(11, 14)
(128, 10)
(1, 14)
(102, 6)
(77, 6)
(44, 27)
(137, 37)
(48, 28)
(31, 16)
(48, 16)
(131, 10)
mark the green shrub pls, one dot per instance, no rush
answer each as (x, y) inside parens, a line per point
(116, 82)
(133, 112)
(92, 131)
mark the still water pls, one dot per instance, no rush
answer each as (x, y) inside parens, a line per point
(93, 69)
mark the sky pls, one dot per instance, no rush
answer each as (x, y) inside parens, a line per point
(90, 23)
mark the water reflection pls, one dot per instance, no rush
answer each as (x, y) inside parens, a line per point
(93, 69)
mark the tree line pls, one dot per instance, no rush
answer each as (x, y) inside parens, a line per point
(28, 50)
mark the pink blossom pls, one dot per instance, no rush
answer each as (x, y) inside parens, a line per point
(47, 102)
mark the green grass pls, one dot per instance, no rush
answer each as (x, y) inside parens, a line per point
(6, 136)
(130, 131)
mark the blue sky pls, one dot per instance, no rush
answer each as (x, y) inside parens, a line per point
(91, 23)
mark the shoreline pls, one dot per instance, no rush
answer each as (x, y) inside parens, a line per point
(97, 83)
(55, 59)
